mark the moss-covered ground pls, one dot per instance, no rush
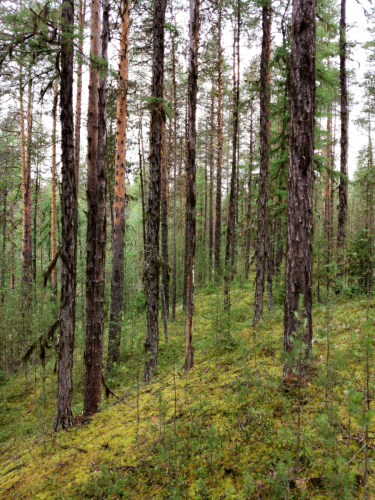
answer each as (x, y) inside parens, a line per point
(229, 430)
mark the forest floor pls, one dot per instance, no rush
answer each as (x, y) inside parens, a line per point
(229, 430)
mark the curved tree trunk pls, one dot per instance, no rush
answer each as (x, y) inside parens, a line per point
(117, 280)
(64, 417)
(298, 273)
(152, 269)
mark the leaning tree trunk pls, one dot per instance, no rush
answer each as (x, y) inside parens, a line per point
(117, 281)
(190, 181)
(298, 273)
(261, 250)
(219, 152)
(64, 417)
(343, 187)
(96, 213)
(152, 262)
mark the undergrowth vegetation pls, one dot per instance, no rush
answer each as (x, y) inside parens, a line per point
(229, 430)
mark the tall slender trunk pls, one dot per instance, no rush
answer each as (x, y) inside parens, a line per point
(26, 193)
(231, 226)
(219, 151)
(117, 279)
(77, 125)
(327, 210)
(190, 181)
(174, 277)
(249, 197)
(4, 230)
(96, 212)
(35, 224)
(269, 230)
(142, 188)
(298, 273)
(164, 223)
(261, 250)
(210, 209)
(152, 269)
(53, 188)
(64, 417)
(343, 187)
(12, 277)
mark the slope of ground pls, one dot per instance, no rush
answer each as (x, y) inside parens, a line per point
(231, 429)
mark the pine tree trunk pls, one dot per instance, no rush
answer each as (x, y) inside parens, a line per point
(219, 152)
(64, 417)
(210, 209)
(343, 187)
(53, 188)
(190, 181)
(261, 250)
(4, 230)
(77, 125)
(231, 226)
(12, 277)
(117, 280)
(96, 212)
(174, 276)
(26, 195)
(164, 224)
(249, 198)
(298, 274)
(152, 268)
(327, 210)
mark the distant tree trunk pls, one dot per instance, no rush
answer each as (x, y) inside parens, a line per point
(4, 230)
(12, 278)
(343, 187)
(77, 125)
(298, 273)
(174, 276)
(219, 152)
(26, 193)
(190, 180)
(210, 209)
(53, 188)
(64, 417)
(249, 197)
(152, 269)
(261, 249)
(164, 222)
(96, 212)
(117, 280)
